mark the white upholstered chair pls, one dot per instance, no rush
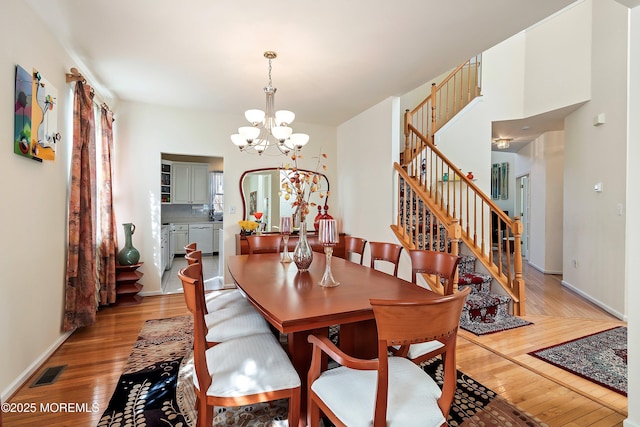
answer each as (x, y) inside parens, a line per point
(239, 371)
(389, 391)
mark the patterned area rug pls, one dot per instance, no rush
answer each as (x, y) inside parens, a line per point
(156, 389)
(600, 357)
(146, 391)
(502, 323)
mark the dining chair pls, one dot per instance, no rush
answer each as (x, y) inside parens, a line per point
(227, 314)
(354, 245)
(404, 392)
(193, 246)
(384, 251)
(219, 298)
(441, 264)
(444, 266)
(240, 371)
(265, 244)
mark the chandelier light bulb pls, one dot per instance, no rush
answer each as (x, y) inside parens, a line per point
(284, 117)
(239, 141)
(249, 133)
(281, 133)
(299, 140)
(254, 116)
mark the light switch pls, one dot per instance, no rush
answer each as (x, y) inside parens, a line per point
(232, 209)
(597, 187)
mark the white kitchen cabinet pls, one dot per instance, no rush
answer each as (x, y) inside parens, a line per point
(190, 183)
(217, 226)
(180, 238)
(164, 254)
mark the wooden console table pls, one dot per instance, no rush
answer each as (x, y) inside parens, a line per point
(127, 286)
(242, 248)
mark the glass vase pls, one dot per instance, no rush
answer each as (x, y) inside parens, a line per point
(302, 254)
(128, 255)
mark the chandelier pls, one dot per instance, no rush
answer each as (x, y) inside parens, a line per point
(502, 143)
(269, 128)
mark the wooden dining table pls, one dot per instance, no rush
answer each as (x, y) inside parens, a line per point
(296, 305)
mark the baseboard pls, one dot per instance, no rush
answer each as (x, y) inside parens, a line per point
(542, 270)
(150, 293)
(589, 298)
(630, 423)
(27, 373)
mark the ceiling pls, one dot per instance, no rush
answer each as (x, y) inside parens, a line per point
(335, 58)
(523, 131)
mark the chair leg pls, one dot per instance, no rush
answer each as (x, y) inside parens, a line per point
(205, 414)
(313, 412)
(294, 408)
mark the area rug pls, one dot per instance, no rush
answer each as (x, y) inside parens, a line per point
(146, 391)
(600, 357)
(503, 323)
(156, 389)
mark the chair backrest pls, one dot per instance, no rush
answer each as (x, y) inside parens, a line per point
(384, 251)
(193, 295)
(190, 248)
(402, 322)
(354, 245)
(442, 264)
(265, 244)
(195, 258)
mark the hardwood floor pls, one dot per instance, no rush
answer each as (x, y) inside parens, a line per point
(95, 357)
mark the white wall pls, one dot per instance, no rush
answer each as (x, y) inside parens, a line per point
(144, 131)
(367, 202)
(542, 159)
(593, 231)
(557, 60)
(34, 211)
(632, 253)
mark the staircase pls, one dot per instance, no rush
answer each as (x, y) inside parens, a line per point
(440, 209)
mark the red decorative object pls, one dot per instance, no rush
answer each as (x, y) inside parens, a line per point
(317, 219)
(470, 175)
(258, 215)
(326, 213)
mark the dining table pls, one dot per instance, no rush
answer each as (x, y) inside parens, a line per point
(295, 304)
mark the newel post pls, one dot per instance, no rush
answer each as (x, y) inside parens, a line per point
(518, 282)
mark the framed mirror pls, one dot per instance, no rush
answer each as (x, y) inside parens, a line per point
(259, 189)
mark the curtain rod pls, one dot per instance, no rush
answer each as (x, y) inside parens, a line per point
(75, 76)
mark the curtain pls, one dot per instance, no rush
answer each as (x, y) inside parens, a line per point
(108, 249)
(81, 278)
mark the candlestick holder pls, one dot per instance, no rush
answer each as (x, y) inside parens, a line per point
(328, 236)
(285, 230)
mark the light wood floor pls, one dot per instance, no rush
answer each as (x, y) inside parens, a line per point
(95, 357)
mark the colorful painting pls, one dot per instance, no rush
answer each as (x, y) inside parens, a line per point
(36, 116)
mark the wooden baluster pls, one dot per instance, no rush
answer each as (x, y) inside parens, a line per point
(518, 282)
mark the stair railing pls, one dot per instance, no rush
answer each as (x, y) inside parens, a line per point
(446, 100)
(453, 198)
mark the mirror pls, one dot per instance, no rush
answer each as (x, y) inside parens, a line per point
(259, 189)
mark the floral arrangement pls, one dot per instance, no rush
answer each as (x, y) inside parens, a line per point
(248, 226)
(300, 184)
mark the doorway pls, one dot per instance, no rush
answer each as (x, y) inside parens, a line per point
(523, 205)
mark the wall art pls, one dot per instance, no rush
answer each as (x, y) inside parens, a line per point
(35, 116)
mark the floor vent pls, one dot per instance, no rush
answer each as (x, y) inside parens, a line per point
(49, 376)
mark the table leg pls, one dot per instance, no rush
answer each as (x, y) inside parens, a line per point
(359, 339)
